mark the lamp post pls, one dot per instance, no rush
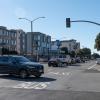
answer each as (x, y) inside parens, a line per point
(31, 22)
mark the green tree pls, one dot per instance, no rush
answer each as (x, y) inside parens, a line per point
(13, 52)
(95, 55)
(72, 53)
(5, 51)
(80, 53)
(64, 50)
(8, 52)
(85, 52)
(97, 42)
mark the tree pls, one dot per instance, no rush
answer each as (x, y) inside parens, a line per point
(13, 52)
(97, 42)
(72, 53)
(8, 52)
(95, 55)
(85, 52)
(64, 50)
(80, 53)
(5, 51)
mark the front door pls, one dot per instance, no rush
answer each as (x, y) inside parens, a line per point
(4, 65)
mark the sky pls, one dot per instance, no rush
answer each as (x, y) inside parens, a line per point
(54, 23)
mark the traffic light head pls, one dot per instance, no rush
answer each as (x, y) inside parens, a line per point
(68, 22)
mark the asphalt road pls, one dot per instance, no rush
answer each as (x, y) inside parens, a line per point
(76, 82)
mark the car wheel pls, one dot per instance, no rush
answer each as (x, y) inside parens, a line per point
(64, 65)
(55, 65)
(49, 65)
(23, 73)
(60, 64)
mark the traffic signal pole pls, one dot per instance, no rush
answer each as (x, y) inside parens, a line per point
(86, 21)
(68, 22)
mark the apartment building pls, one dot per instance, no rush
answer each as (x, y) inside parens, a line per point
(38, 43)
(72, 45)
(12, 39)
(21, 42)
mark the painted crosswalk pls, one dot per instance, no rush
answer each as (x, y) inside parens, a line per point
(32, 85)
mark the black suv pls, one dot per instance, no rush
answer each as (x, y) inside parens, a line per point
(19, 65)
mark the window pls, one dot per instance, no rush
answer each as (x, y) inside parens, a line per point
(35, 37)
(38, 37)
(4, 59)
(0, 40)
(7, 41)
(0, 31)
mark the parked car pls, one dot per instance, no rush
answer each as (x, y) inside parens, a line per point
(73, 61)
(65, 60)
(78, 60)
(98, 61)
(53, 62)
(56, 62)
(19, 65)
(60, 61)
(83, 60)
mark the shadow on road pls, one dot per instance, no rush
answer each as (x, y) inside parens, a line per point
(28, 79)
(91, 71)
(76, 65)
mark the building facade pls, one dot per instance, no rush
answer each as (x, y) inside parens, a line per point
(38, 43)
(21, 42)
(71, 45)
(11, 39)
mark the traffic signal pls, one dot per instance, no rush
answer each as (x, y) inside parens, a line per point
(68, 22)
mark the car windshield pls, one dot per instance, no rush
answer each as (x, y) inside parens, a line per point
(21, 59)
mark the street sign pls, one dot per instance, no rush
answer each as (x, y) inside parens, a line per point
(58, 43)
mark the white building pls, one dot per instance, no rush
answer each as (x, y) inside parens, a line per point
(71, 45)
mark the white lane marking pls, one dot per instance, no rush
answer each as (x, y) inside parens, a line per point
(49, 70)
(63, 73)
(92, 66)
(41, 86)
(56, 73)
(68, 73)
(32, 85)
(59, 73)
(24, 85)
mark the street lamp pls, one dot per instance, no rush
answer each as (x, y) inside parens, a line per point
(31, 22)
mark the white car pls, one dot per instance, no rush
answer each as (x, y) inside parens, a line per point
(66, 59)
(98, 61)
